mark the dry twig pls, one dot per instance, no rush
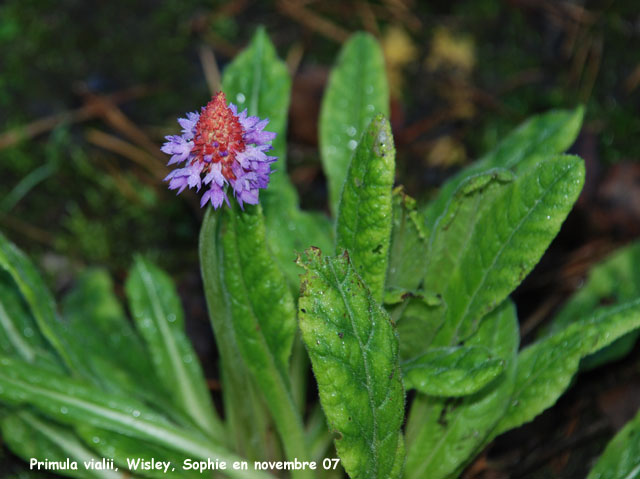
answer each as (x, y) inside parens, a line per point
(210, 68)
(312, 20)
(127, 150)
(90, 109)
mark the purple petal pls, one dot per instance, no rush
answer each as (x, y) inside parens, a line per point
(250, 155)
(178, 147)
(258, 137)
(194, 175)
(249, 122)
(249, 196)
(216, 195)
(177, 182)
(215, 175)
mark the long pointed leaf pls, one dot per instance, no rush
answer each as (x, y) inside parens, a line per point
(40, 301)
(615, 280)
(19, 333)
(508, 239)
(158, 315)
(453, 231)
(621, 458)
(259, 78)
(30, 436)
(354, 353)
(258, 81)
(365, 213)
(357, 90)
(112, 350)
(259, 309)
(546, 368)
(246, 414)
(539, 137)
(121, 449)
(73, 402)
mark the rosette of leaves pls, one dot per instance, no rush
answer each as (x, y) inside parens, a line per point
(384, 298)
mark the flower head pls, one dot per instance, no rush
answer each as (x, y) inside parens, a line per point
(221, 147)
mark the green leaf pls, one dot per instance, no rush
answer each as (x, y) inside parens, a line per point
(76, 403)
(539, 137)
(93, 295)
(364, 217)
(40, 302)
(290, 231)
(113, 353)
(258, 81)
(122, 449)
(246, 414)
(453, 231)
(320, 439)
(19, 334)
(259, 78)
(447, 244)
(621, 458)
(30, 436)
(443, 435)
(354, 354)
(615, 280)
(261, 305)
(545, 369)
(357, 90)
(478, 200)
(107, 330)
(506, 242)
(408, 251)
(452, 371)
(418, 323)
(259, 309)
(159, 318)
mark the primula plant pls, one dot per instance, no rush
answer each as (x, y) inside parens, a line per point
(401, 310)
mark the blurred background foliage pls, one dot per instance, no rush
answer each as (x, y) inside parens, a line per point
(88, 90)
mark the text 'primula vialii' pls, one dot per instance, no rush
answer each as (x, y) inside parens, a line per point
(221, 147)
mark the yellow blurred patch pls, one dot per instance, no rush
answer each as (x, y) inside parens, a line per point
(446, 151)
(451, 51)
(399, 51)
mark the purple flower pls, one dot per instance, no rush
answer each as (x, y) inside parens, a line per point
(222, 148)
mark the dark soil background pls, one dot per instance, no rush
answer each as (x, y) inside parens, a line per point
(89, 89)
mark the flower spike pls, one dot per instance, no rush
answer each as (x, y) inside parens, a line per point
(221, 147)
